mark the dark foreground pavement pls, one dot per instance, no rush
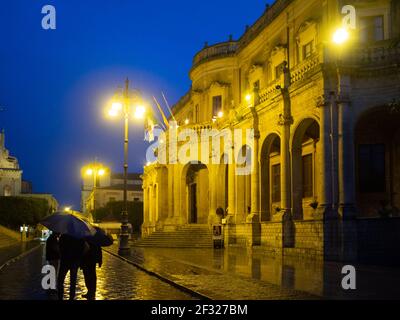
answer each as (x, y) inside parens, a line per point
(243, 273)
(178, 266)
(117, 280)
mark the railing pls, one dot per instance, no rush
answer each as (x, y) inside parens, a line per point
(300, 71)
(270, 91)
(374, 55)
(218, 50)
(270, 14)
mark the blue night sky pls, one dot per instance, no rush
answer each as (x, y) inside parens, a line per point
(54, 83)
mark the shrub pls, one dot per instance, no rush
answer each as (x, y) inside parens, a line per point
(112, 211)
(16, 211)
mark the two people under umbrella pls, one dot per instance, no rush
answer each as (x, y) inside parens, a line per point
(79, 246)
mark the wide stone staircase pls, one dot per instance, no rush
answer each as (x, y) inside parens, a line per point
(189, 236)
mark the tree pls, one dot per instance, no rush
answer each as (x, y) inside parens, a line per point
(112, 211)
(16, 211)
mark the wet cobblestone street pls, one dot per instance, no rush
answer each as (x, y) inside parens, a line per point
(117, 280)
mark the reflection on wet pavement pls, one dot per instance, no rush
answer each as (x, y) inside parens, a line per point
(312, 276)
(116, 279)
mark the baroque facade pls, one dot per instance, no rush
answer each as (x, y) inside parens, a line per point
(326, 152)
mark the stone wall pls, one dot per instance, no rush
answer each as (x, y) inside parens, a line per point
(308, 240)
(271, 236)
(378, 241)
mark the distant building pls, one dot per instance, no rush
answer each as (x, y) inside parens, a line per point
(26, 187)
(109, 188)
(11, 183)
(10, 173)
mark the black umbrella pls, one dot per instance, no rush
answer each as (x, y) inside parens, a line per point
(100, 238)
(66, 223)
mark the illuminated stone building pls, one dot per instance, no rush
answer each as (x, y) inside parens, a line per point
(10, 172)
(109, 188)
(325, 179)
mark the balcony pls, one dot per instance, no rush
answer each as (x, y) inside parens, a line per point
(220, 50)
(384, 54)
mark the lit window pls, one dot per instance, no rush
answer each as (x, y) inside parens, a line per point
(217, 105)
(7, 191)
(371, 29)
(276, 183)
(371, 170)
(279, 70)
(307, 166)
(308, 49)
(256, 84)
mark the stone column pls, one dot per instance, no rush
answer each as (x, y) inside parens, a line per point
(170, 191)
(231, 188)
(285, 166)
(327, 209)
(324, 159)
(146, 205)
(230, 230)
(346, 169)
(255, 177)
(286, 120)
(253, 220)
(213, 189)
(346, 159)
(151, 204)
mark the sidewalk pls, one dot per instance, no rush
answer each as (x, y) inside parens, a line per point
(240, 273)
(204, 279)
(13, 251)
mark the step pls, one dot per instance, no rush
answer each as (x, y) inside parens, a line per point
(187, 236)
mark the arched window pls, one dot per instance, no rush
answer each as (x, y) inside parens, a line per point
(7, 191)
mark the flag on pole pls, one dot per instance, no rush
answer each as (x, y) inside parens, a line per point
(169, 109)
(149, 125)
(162, 113)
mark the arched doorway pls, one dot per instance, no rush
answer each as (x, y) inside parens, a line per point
(7, 191)
(270, 176)
(377, 155)
(197, 190)
(304, 169)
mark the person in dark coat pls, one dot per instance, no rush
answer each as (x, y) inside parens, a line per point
(71, 252)
(53, 252)
(92, 257)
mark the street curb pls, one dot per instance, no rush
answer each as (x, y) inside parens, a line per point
(160, 277)
(21, 255)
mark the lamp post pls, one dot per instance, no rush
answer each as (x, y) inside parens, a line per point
(345, 196)
(124, 105)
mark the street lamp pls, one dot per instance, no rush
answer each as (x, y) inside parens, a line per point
(128, 105)
(340, 36)
(94, 170)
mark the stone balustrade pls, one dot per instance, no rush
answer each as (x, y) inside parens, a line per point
(218, 50)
